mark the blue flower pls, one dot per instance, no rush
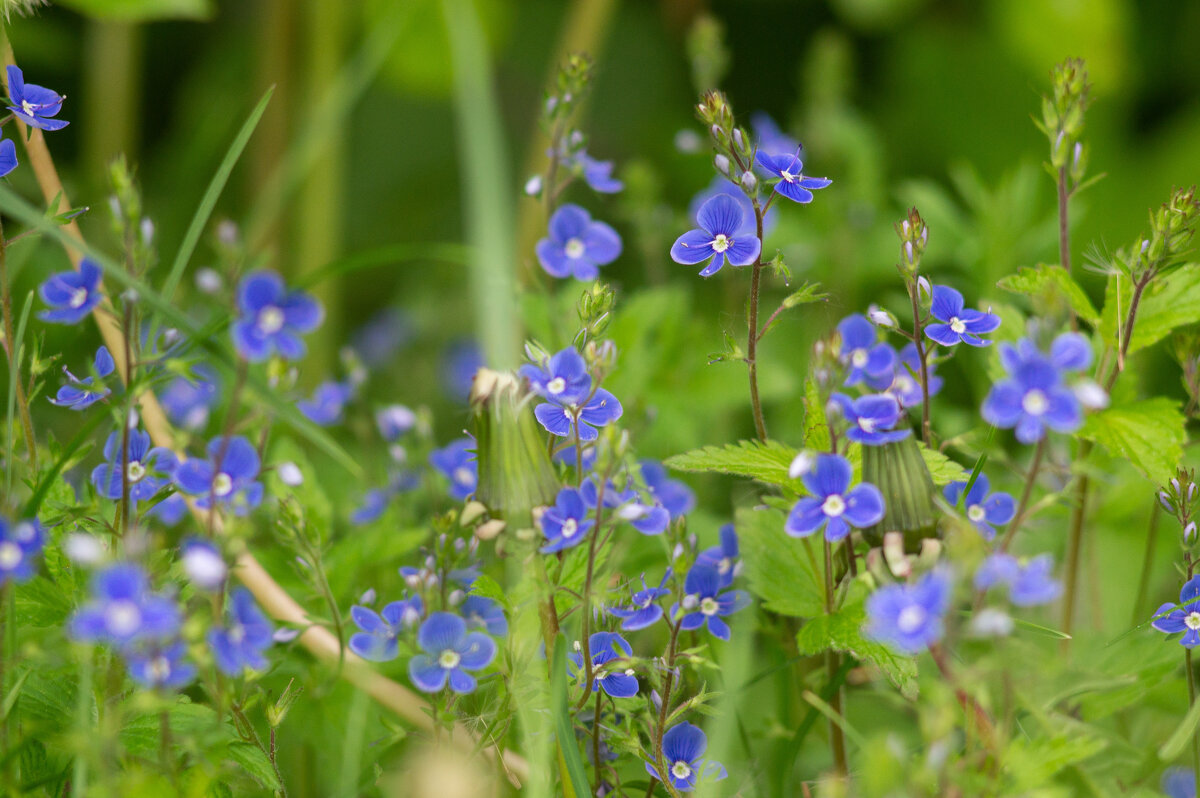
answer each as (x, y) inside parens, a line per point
(577, 246)
(908, 618)
(463, 359)
(328, 403)
(1182, 617)
(872, 418)
(393, 421)
(148, 469)
(564, 379)
(1069, 351)
(567, 457)
(643, 610)
(606, 647)
(1033, 398)
(600, 410)
(482, 611)
(34, 105)
(959, 324)
(1179, 782)
(189, 401)
(71, 295)
(723, 185)
(123, 610)
(78, 394)
(456, 461)
(374, 504)
(792, 183)
(833, 503)
(169, 511)
(706, 601)
(769, 137)
(721, 237)
(161, 667)
(682, 747)
(449, 651)
(862, 351)
(566, 523)
(596, 173)
(649, 519)
(203, 563)
(232, 481)
(904, 379)
(1029, 584)
(674, 495)
(377, 641)
(8, 157)
(247, 634)
(985, 511)
(272, 318)
(723, 557)
(20, 543)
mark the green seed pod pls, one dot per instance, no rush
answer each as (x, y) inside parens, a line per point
(900, 473)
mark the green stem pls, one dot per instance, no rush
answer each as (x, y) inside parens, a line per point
(1026, 495)
(760, 424)
(1191, 682)
(12, 350)
(919, 343)
(1147, 563)
(83, 723)
(837, 738)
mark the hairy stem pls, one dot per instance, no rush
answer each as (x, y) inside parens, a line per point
(659, 731)
(837, 738)
(760, 424)
(919, 343)
(11, 350)
(1026, 495)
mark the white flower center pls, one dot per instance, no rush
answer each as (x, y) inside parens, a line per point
(159, 669)
(1035, 403)
(78, 297)
(833, 506)
(27, 107)
(958, 325)
(270, 320)
(222, 484)
(569, 528)
(135, 471)
(858, 358)
(122, 617)
(788, 176)
(866, 424)
(574, 248)
(724, 565)
(237, 633)
(10, 555)
(449, 659)
(464, 475)
(681, 770)
(904, 384)
(975, 513)
(708, 606)
(556, 386)
(721, 243)
(24, 532)
(911, 618)
(1192, 620)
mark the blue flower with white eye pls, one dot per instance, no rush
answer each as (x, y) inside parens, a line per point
(600, 410)
(986, 511)
(1182, 617)
(649, 519)
(1029, 584)
(1178, 782)
(79, 394)
(1033, 398)
(170, 511)
(378, 640)
(674, 495)
(188, 401)
(456, 461)
(605, 648)
(792, 183)
(903, 381)
(577, 246)
(908, 618)
(564, 379)
(8, 157)
(706, 602)
(959, 324)
(158, 667)
(833, 504)
(147, 469)
(722, 557)
(448, 652)
(872, 418)
(393, 421)
(721, 237)
(596, 173)
(34, 105)
(246, 635)
(71, 295)
(20, 543)
(122, 609)
(273, 318)
(565, 524)
(328, 403)
(643, 610)
(862, 352)
(483, 612)
(682, 747)
(723, 185)
(232, 481)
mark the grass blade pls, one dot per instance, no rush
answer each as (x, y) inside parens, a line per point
(1182, 735)
(575, 783)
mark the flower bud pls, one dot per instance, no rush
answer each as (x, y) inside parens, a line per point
(289, 474)
(721, 163)
(1189, 533)
(748, 181)
(533, 186)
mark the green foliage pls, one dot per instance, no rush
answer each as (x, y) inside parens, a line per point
(141, 10)
(1052, 283)
(1170, 302)
(1148, 433)
(782, 571)
(767, 462)
(942, 469)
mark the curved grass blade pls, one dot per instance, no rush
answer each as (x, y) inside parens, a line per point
(14, 374)
(34, 505)
(575, 783)
(382, 256)
(1182, 735)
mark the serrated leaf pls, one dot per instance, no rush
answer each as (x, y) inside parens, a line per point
(816, 426)
(1169, 302)
(1149, 434)
(489, 588)
(778, 567)
(254, 763)
(942, 469)
(806, 294)
(1051, 281)
(767, 462)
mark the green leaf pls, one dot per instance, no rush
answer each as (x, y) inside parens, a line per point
(767, 462)
(1047, 281)
(1182, 735)
(141, 10)
(1169, 302)
(489, 588)
(806, 294)
(574, 778)
(816, 426)
(1149, 434)
(782, 571)
(942, 469)
(254, 763)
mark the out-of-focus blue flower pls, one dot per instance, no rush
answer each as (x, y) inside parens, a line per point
(273, 318)
(456, 461)
(448, 652)
(605, 647)
(627, 504)
(793, 183)
(833, 504)
(1179, 782)
(482, 611)
(1033, 398)
(683, 746)
(233, 481)
(643, 610)
(565, 524)
(862, 352)
(79, 394)
(377, 641)
(246, 635)
(567, 457)
(769, 138)
(599, 411)
(148, 468)
(1182, 617)
(959, 324)
(985, 511)
(382, 336)
(721, 237)
(596, 173)
(723, 557)
(462, 360)
(169, 511)
(706, 602)
(374, 504)
(564, 379)
(908, 618)
(203, 563)
(161, 667)
(34, 105)
(1029, 584)
(188, 402)
(393, 421)
(871, 418)
(328, 403)
(71, 295)
(577, 246)
(673, 494)
(20, 543)
(122, 609)
(904, 379)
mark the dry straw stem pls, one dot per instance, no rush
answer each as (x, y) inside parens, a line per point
(319, 641)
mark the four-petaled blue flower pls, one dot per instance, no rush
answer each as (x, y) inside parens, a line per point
(231, 481)
(393, 421)
(908, 618)
(862, 351)
(985, 511)
(833, 503)
(566, 523)
(598, 411)
(792, 183)
(374, 504)
(1029, 584)
(71, 295)
(721, 237)
(189, 401)
(1033, 398)
(706, 601)
(273, 318)
(1179, 782)
(8, 157)
(449, 651)
(482, 611)
(872, 418)
(643, 610)
(456, 460)
(78, 394)
(682, 747)
(903, 381)
(723, 557)
(596, 173)
(564, 379)
(328, 403)
(123, 610)
(34, 105)
(377, 641)
(577, 246)
(148, 468)
(606, 647)
(649, 519)
(247, 634)
(20, 543)
(674, 495)
(157, 667)
(1182, 617)
(958, 323)
(723, 185)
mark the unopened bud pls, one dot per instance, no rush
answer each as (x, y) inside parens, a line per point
(721, 163)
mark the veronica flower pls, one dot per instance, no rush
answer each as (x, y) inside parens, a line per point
(482, 611)
(122, 609)
(169, 511)
(682, 747)
(1033, 398)
(1179, 782)
(577, 246)
(189, 401)
(161, 667)
(564, 379)
(34, 105)
(449, 651)
(908, 618)
(231, 481)
(71, 295)
(566, 523)
(596, 173)
(605, 647)
(871, 418)
(833, 504)
(706, 602)
(203, 563)
(792, 184)
(378, 640)
(599, 411)
(147, 469)
(8, 157)
(328, 403)
(461, 362)
(247, 634)
(1029, 584)
(904, 380)
(674, 495)
(958, 323)
(393, 421)
(862, 350)
(273, 318)
(456, 461)
(643, 610)
(769, 137)
(986, 511)
(721, 237)
(20, 543)
(627, 504)
(1182, 617)
(78, 394)
(374, 504)
(723, 557)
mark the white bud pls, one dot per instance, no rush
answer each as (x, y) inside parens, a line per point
(1189, 532)
(908, 253)
(533, 186)
(880, 317)
(368, 596)
(285, 634)
(208, 281)
(802, 463)
(204, 566)
(227, 233)
(84, 549)
(991, 622)
(147, 231)
(749, 181)
(1090, 394)
(289, 474)
(688, 141)
(738, 139)
(721, 163)
(455, 598)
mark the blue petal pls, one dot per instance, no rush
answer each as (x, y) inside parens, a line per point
(694, 246)
(426, 674)
(721, 215)
(441, 631)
